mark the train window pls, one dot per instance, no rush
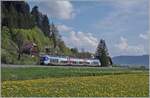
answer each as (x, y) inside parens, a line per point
(95, 63)
(54, 60)
(86, 62)
(80, 62)
(63, 61)
(83, 62)
(74, 62)
(51, 60)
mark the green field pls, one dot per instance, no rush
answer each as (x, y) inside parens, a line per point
(74, 81)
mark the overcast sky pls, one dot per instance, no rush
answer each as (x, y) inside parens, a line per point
(123, 24)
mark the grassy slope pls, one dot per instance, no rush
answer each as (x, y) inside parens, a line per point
(9, 46)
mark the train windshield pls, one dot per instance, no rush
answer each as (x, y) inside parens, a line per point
(44, 58)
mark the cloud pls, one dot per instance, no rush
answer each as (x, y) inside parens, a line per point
(125, 17)
(126, 4)
(78, 39)
(56, 8)
(144, 36)
(125, 48)
(81, 40)
(64, 28)
(123, 45)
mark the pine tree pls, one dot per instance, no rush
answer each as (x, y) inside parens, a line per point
(12, 20)
(35, 15)
(4, 15)
(102, 53)
(41, 20)
(20, 20)
(45, 25)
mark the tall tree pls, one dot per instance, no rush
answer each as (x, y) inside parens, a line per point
(4, 14)
(12, 21)
(102, 53)
(18, 38)
(75, 51)
(41, 20)
(45, 25)
(35, 14)
(54, 34)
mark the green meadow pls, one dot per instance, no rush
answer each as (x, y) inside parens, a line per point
(74, 81)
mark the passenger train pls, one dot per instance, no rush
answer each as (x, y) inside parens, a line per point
(59, 60)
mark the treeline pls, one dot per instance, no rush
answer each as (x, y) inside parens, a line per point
(16, 14)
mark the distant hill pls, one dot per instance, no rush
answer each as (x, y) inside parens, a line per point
(131, 60)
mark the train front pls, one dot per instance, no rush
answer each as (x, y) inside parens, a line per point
(44, 60)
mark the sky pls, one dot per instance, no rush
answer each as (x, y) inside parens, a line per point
(123, 24)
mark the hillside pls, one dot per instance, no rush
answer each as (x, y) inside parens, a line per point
(131, 60)
(27, 33)
(22, 28)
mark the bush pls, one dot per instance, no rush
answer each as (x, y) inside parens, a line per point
(7, 57)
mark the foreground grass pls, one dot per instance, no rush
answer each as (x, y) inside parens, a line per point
(27, 73)
(107, 85)
(74, 81)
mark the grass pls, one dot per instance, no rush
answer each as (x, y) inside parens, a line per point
(9, 73)
(110, 85)
(74, 81)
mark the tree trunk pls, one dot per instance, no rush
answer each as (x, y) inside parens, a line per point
(19, 56)
(110, 60)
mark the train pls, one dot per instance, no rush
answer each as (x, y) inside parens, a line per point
(62, 60)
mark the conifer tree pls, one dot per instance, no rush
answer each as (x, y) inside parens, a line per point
(35, 14)
(45, 25)
(41, 20)
(102, 53)
(12, 22)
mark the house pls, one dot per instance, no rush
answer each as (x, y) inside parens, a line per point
(30, 48)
